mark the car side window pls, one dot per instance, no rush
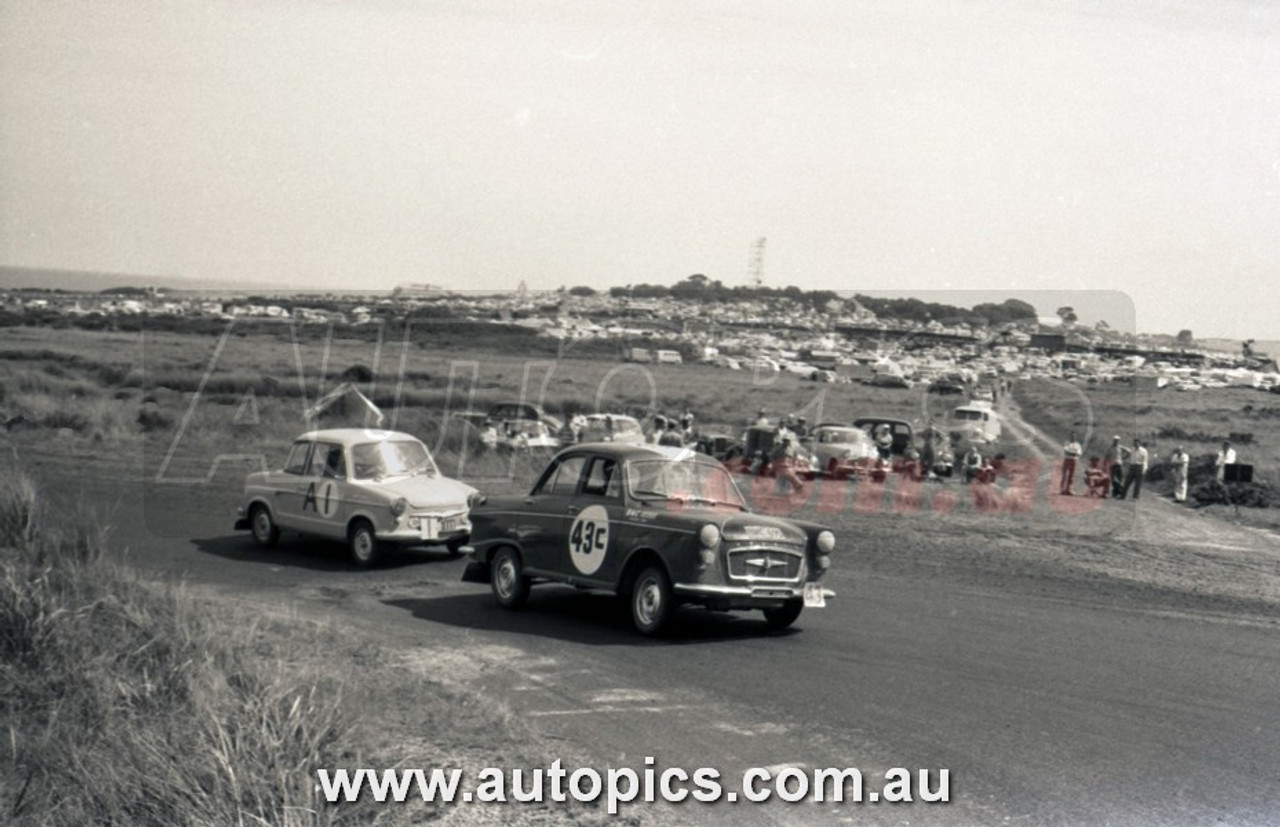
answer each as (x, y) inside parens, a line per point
(603, 479)
(327, 461)
(297, 462)
(563, 480)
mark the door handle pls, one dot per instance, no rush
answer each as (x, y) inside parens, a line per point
(573, 509)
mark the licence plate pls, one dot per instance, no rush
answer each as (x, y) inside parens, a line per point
(428, 528)
(813, 596)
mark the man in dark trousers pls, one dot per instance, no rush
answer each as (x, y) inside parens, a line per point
(1116, 455)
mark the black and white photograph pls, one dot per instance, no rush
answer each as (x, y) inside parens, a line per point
(645, 412)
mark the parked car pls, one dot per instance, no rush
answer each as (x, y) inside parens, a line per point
(975, 422)
(500, 411)
(946, 387)
(984, 393)
(889, 380)
(659, 526)
(367, 488)
(612, 428)
(526, 434)
(842, 451)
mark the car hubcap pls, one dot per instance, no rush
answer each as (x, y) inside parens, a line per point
(648, 602)
(262, 525)
(364, 545)
(506, 578)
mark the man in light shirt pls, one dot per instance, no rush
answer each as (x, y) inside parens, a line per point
(1071, 451)
(1225, 457)
(1137, 469)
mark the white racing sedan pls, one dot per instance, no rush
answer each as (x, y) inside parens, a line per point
(365, 487)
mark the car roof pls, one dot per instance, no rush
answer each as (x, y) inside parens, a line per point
(625, 451)
(352, 436)
(601, 416)
(891, 420)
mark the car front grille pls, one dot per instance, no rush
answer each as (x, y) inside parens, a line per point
(758, 564)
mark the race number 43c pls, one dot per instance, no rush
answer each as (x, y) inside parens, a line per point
(589, 539)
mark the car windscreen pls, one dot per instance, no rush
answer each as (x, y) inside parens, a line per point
(391, 458)
(683, 480)
(960, 414)
(842, 436)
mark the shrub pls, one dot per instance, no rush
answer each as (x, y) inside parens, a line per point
(1238, 494)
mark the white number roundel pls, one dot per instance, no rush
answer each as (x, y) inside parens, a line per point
(589, 539)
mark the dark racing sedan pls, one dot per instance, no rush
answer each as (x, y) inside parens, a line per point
(661, 526)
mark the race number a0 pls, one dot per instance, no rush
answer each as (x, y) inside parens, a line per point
(589, 539)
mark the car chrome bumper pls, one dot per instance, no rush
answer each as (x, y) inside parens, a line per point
(750, 593)
(414, 536)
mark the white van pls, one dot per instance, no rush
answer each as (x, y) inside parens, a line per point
(669, 357)
(975, 423)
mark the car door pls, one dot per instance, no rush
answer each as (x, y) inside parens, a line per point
(321, 489)
(289, 487)
(594, 546)
(550, 510)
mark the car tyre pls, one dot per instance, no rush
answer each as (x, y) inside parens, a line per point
(362, 543)
(652, 600)
(784, 615)
(265, 531)
(510, 586)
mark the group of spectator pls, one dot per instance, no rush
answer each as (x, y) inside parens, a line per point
(1123, 469)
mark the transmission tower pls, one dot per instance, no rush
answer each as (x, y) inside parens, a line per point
(755, 265)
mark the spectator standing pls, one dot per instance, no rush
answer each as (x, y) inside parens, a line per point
(1226, 456)
(1137, 470)
(1180, 462)
(1116, 456)
(1071, 451)
(884, 441)
(784, 460)
(972, 464)
(488, 436)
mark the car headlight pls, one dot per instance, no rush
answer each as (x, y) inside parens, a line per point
(826, 542)
(399, 506)
(709, 536)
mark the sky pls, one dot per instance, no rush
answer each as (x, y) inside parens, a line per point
(1089, 147)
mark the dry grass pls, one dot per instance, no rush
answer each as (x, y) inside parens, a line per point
(131, 703)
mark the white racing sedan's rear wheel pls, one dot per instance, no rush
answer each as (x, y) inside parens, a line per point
(265, 531)
(362, 543)
(651, 600)
(510, 586)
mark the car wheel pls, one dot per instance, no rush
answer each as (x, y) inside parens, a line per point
(651, 600)
(510, 586)
(362, 542)
(785, 615)
(265, 531)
